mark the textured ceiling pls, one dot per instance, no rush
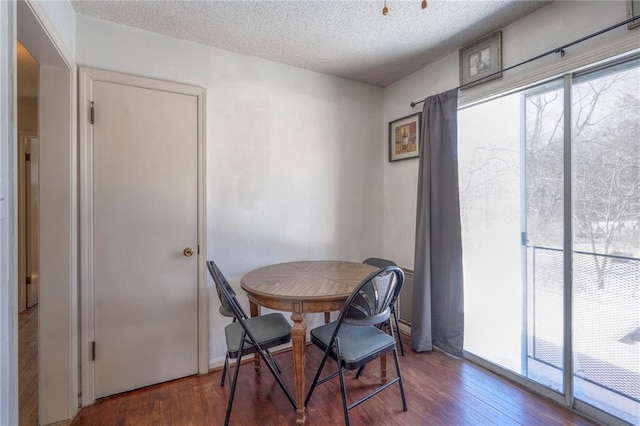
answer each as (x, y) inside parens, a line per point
(350, 39)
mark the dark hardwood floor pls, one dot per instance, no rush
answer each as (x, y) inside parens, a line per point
(440, 390)
(28, 367)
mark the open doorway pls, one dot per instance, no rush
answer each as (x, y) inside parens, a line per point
(27, 161)
(56, 387)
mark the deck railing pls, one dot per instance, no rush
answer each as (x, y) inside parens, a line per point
(606, 326)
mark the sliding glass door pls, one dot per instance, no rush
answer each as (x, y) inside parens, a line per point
(550, 211)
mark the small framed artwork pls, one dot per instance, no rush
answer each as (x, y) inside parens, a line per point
(633, 10)
(481, 59)
(404, 137)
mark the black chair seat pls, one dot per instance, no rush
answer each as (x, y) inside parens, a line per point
(269, 330)
(358, 345)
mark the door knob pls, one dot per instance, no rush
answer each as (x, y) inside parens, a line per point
(188, 252)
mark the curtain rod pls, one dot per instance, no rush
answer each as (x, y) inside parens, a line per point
(559, 50)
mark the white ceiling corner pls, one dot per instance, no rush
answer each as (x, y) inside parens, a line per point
(349, 39)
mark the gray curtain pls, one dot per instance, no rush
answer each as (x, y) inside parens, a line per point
(438, 311)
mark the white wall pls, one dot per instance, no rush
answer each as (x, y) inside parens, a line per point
(545, 29)
(293, 156)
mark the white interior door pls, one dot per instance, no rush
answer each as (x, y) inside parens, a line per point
(22, 226)
(145, 195)
(27, 220)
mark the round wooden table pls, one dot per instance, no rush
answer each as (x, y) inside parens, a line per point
(300, 288)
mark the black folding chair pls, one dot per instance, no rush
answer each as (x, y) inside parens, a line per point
(356, 338)
(248, 336)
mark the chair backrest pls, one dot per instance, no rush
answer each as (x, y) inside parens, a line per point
(226, 294)
(379, 263)
(383, 263)
(370, 302)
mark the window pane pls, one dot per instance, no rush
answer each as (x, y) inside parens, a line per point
(489, 171)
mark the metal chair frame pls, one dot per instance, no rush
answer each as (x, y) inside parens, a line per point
(373, 315)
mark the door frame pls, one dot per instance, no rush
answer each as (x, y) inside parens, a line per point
(87, 76)
(8, 224)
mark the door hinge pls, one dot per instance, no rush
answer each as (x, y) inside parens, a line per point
(27, 157)
(92, 114)
(93, 351)
(523, 238)
(28, 279)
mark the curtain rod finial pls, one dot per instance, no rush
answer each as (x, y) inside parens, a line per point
(413, 104)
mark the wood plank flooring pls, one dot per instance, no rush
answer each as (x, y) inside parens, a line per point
(28, 367)
(440, 390)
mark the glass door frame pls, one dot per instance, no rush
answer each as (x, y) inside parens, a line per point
(567, 245)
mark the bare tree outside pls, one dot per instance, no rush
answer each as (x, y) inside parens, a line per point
(606, 130)
(607, 204)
